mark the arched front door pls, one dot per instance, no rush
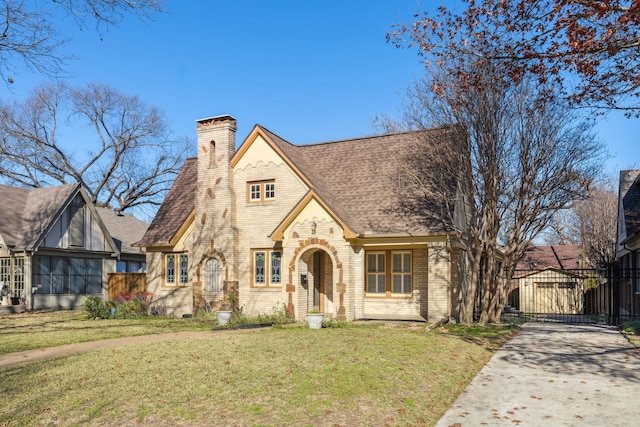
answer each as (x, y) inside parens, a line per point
(318, 281)
(315, 268)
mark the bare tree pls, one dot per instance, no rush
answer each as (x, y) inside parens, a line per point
(29, 36)
(591, 223)
(523, 157)
(130, 161)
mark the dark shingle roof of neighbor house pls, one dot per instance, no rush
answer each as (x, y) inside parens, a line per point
(562, 257)
(178, 204)
(629, 193)
(354, 177)
(125, 230)
(25, 213)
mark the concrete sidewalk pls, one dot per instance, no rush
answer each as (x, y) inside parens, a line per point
(554, 374)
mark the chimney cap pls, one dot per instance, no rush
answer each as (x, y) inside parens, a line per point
(222, 118)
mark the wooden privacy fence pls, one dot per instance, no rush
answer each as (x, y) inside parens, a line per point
(126, 283)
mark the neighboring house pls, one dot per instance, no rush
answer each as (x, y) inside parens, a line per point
(125, 230)
(55, 249)
(548, 280)
(628, 242)
(301, 227)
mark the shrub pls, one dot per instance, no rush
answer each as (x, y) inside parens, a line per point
(125, 305)
(279, 316)
(96, 307)
(631, 327)
(133, 305)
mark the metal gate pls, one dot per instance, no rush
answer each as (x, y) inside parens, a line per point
(625, 295)
(570, 296)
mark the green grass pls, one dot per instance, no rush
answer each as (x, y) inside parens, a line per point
(631, 330)
(30, 331)
(349, 375)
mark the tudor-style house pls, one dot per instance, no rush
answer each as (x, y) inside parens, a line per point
(309, 226)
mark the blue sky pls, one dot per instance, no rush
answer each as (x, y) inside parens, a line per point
(309, 71)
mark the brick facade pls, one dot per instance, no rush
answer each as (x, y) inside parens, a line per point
(317, 248)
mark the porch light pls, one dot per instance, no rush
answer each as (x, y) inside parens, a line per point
(313, 227)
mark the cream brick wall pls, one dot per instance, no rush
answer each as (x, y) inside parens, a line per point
(214, 233)
(256, 221)
(177, 300)
(227, 226)
(330, 240)
(439, 292)
(413, 306)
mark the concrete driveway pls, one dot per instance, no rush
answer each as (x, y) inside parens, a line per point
(554, 374)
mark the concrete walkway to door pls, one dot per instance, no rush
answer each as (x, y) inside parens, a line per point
(554, 374)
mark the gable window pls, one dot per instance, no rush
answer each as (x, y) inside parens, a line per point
(176, 269)
(266, 267)
(389, 273)
(261, 191)
(76, 225)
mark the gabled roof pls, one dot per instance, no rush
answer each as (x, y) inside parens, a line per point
(125, 230)
(27, 215)
(559, 271)
(278, 233)
(351, 178)
(558, 257)
(354, 178)
(176, 208)
(629, 201)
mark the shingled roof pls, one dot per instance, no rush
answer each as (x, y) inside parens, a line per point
(26, 213)
(629, 194)
(178, 204)
(353, 177)
(561, 257)
(125, 230)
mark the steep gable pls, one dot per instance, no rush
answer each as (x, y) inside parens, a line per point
(43, 207)
(35, 217)
(28, 213)
(355, 178)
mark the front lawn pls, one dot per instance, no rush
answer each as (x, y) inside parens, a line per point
(33, 330)
(371, 375)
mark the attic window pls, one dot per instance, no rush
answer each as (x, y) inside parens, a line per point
(76, 225)
(262, 191)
